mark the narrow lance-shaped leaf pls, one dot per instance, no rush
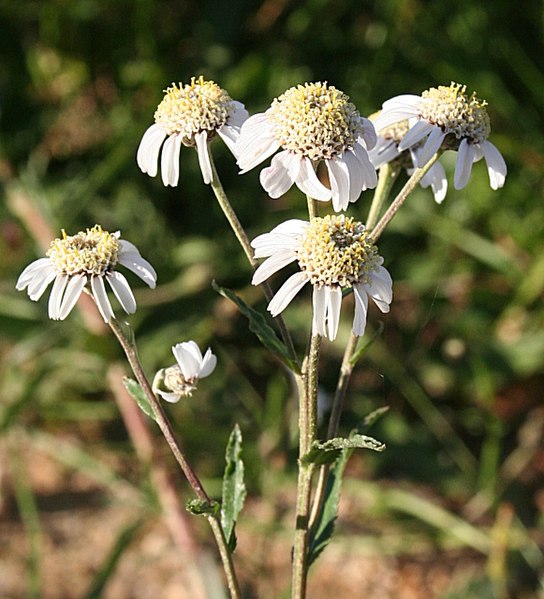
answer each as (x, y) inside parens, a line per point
(234, 488)
(138, 394)
(328, 452)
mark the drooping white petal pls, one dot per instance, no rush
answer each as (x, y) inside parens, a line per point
(71, 295)
(370, 178)
(101, 297)
(170, 160)
(287, 292)
(397, 109)
(463, 165)
(271, 265)
(340, 183)
(368, 135)
(203, 151)
(381, 289)
(415, 134)
(138, 265)
(308, 182)
(147, 156)
(319, 304)
(361, 309)
(277, 178)
(230, 136)
(189, 359)
(334, 303)
(256, 142)
(435, 177)
(169, 397)
(209, 362)
(122, 291)
(55, 299)
(432, 145)
(40, 282)
(496, 166)
(28, 273)
(355, 173)
(384, 151)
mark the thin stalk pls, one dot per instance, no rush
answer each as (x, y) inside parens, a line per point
(312, 207)
(164, 424)
(308, 432)
(416, 177)
(387, 175)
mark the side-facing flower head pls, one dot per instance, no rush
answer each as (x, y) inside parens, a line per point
(191, 115)
(387, 150)
(181, 379)
(310, 123)
(333, 253)
(446, 117)
(86, 259)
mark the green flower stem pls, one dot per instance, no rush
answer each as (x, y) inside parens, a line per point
(161, 419)
(243, 239)
(307, 386)
(312, 207)
(416, 177)
(387, 175)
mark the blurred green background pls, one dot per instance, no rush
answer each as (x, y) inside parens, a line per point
(454, 507)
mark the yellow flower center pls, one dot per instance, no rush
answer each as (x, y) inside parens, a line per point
(315, 120)
(92, 252)
(452, 109)
(198, 106)
(336, 250)
(175, 382)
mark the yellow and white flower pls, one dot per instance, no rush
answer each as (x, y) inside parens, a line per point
(334, 253)
(447, 118)
(86, 260)
(191, 115)
(310, 123)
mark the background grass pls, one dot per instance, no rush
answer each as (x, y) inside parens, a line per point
(460, 362)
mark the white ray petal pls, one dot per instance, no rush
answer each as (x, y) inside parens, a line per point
(319, 303)
(463, 165)
(271, 265)
(147, 156)
(101, 297)
(71, 295)
(370, 178)
(122, 291)
(309, 183)
(287, 292)
(255, 143)
(435, 177)
(381, 289)
(203, 151)
(281, 174)
(416, 134)
(209, 362)
(432, 145)
(334, 304)
(361, 309)
(55, 299)
(139, 266)
(189, 359)
(40, 282)
(29, 272)
(340, 183)
(384, 151)
(238, 116)
(368, 135)
(170, 160)
(496, 166)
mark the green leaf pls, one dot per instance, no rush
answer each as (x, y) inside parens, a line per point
(199, 507)
(234, 488)
(259, 326)
(328, 452)
(375, 415)
(138, 394)
(321, 532)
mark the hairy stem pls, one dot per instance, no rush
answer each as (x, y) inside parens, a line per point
(387, 175)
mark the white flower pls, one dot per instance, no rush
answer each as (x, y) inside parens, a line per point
(447, 118)
(333, 253)
(191, 115)
(387, 150)
(311, 123)
(181, 379)
(86, 259)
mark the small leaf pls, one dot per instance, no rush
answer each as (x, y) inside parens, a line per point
(364, 345)
(371, 418)
(259, 326)
(327, 452)
(199, 507)
(234, 488)
(322, 531)
(138, 394)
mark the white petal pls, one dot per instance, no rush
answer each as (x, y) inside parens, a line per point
(369, 135)
(122, 291)
(370, 178)
(384, 151)
(496, 166)
(71, 295)
(270, 266)
(432, 145)
(463, 165)
(356, 173)
(361, 309)
(169, 397)
(149, 148)
(238, 116)
(41, 281)
(256, 142)
(416, 134)
(209, 362)
(319, 302)
(189, 359)
(170, 160)
(55, 299)
(201, 140)
(381, 289)
(339, 178)
(334, 303)
(287, 292)
(435, 177)
(101, 297)
(138, 265)
(309, 184)
(29, 272)
(281, 174)
(399, 108)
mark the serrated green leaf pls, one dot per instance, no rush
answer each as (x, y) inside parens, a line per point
(234, 488)
(138, 394)
(199, 507)
(364, 344)
(327, 452)
(259, 326)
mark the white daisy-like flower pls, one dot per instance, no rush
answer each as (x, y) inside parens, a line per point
(181, 379)
(310, 123)
(86, 259)
(446, 117)
(387, 150)
(333, 253)
(190, 115)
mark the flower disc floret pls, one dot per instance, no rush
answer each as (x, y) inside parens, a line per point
(315, 120)
(454, 111)
(336, 250)
(92, 252)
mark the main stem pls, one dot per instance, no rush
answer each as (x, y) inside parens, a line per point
(307, 387)
(164, 424)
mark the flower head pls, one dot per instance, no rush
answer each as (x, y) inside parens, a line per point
(333, 253)
(387, 150)
(310, 123)
(447, 118)
(86, 259)
(181, 379)
(191, 115)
